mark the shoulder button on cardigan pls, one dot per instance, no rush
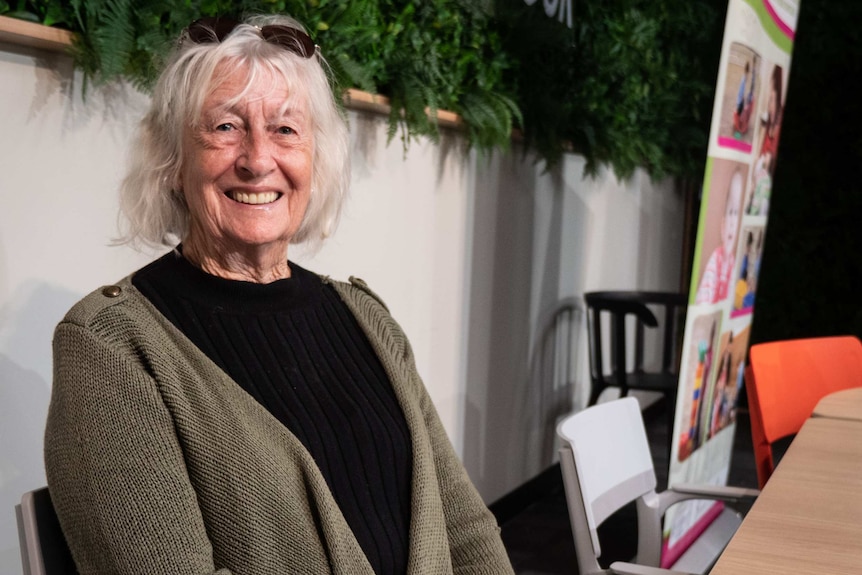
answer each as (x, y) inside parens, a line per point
(111, 291)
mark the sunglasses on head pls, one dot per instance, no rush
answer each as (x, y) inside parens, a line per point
(213, 29)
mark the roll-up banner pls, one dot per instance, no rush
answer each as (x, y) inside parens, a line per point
(737, 189)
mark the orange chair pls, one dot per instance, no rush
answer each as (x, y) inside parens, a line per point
(784, 381)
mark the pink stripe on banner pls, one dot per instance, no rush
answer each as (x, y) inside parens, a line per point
(781, 25)
(670, 555)
(726, 142)
(743, 311)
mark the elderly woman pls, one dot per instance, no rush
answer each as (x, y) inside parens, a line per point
(223, 410)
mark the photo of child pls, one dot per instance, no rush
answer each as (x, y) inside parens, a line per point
(721, 399)
(724, 209)
(772, 111)
(697, 368)
(750, 251)
(741, 89)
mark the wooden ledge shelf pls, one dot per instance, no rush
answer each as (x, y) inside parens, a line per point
(359, 100)
(23, 33)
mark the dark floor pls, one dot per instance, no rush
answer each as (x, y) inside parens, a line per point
(539, 538)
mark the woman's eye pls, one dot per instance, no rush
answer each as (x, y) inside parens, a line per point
(224, 127)
(285, 130)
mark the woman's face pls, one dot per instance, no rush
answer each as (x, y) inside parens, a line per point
(247, 165)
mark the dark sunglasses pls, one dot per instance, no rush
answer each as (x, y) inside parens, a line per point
(213, 29)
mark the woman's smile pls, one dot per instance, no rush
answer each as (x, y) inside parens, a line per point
(253, 198)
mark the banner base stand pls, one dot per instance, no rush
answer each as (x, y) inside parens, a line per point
(704, 552)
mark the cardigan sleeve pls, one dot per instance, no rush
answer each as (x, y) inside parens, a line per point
(474, 537)
(472, 530)
(115, 469)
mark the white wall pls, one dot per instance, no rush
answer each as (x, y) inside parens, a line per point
(467, 251)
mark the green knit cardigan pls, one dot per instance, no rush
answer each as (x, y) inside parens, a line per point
(158, 463)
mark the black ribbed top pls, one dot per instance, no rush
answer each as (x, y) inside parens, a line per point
(296, 348)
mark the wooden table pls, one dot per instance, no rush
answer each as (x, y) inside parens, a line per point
(808, 518)
(844, 404)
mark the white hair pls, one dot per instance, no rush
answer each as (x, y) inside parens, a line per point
(151, 203)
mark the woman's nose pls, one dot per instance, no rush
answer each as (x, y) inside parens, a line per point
(256, 155)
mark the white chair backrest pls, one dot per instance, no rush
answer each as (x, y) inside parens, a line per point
(611, 456)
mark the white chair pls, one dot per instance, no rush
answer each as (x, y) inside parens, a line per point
(43, 548)
(606, 464)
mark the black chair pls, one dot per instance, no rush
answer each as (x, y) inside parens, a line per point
(43, 548)
(660, 376)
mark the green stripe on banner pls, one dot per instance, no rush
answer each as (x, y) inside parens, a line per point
(701, 226)
(770, 26)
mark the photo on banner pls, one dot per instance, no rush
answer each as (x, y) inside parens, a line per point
(719, 230)
(739, 99)
(748, 269)
(737, 191)
(766, 149)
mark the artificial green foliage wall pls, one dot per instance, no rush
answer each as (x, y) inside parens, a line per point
(629, 85)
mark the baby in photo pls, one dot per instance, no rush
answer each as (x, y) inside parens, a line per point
(716, 279)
